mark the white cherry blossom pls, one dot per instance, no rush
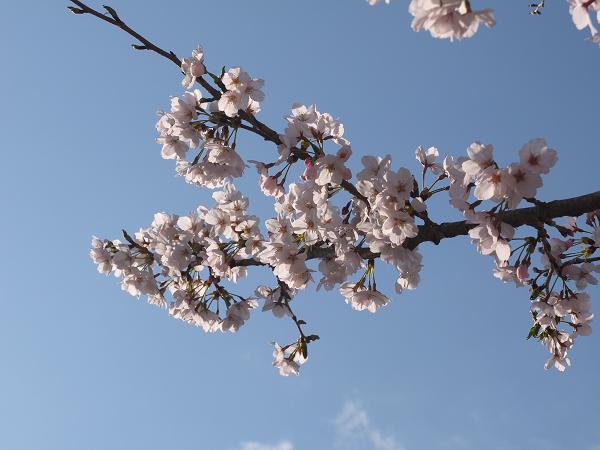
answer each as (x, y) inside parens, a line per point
(428, 159)
(448, 19)
(361, 298)
(193, 67)
(537, 157)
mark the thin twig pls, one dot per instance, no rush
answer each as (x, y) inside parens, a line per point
(536, 8)
(581, 260)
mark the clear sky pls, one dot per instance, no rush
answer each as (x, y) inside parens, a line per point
(84, 366)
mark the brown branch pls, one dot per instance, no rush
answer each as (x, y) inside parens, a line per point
(349, 187)
(246, 263)
(581, 260)
(115, 20)
(434, 232)
(531, 216)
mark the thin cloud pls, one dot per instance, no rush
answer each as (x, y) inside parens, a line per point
(355, 430)
(282, 445)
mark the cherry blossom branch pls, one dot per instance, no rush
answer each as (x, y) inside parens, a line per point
(258, 127)
(286, 299)
(379, 221)
(531, 216)
(581, 260)
(435, 232)
(458, 20)
(115, 20)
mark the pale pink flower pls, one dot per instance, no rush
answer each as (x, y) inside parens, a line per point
(331, 169)
(238, 314)
(283, 361)
(193, 67)
(537, 157)
(398, 227)
(230, 103)
(494, 184)
(361, 298)
(448, 19)
(270, 187)
(428, 159)
(480, 158)
(527, 182)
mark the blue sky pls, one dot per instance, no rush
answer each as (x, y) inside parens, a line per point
(85, 366)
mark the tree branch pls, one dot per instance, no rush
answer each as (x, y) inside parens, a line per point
(434, 232)
(531, 216)
(116, 21)
(258, 127)
(581, 260)
(430, 232)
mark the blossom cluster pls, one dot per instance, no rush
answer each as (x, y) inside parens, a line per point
(215, 158)
(195, 123)
(448, 19)
(382, 219)
(344, 226)
(559, 315)
(188, 257)
(243, 93)
(289, 358)
(455, 19)
(481, 176)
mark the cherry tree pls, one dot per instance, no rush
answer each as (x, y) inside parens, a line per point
(332, 228)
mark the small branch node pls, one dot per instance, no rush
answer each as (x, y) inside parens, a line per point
(75, 10)
(112, 13)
